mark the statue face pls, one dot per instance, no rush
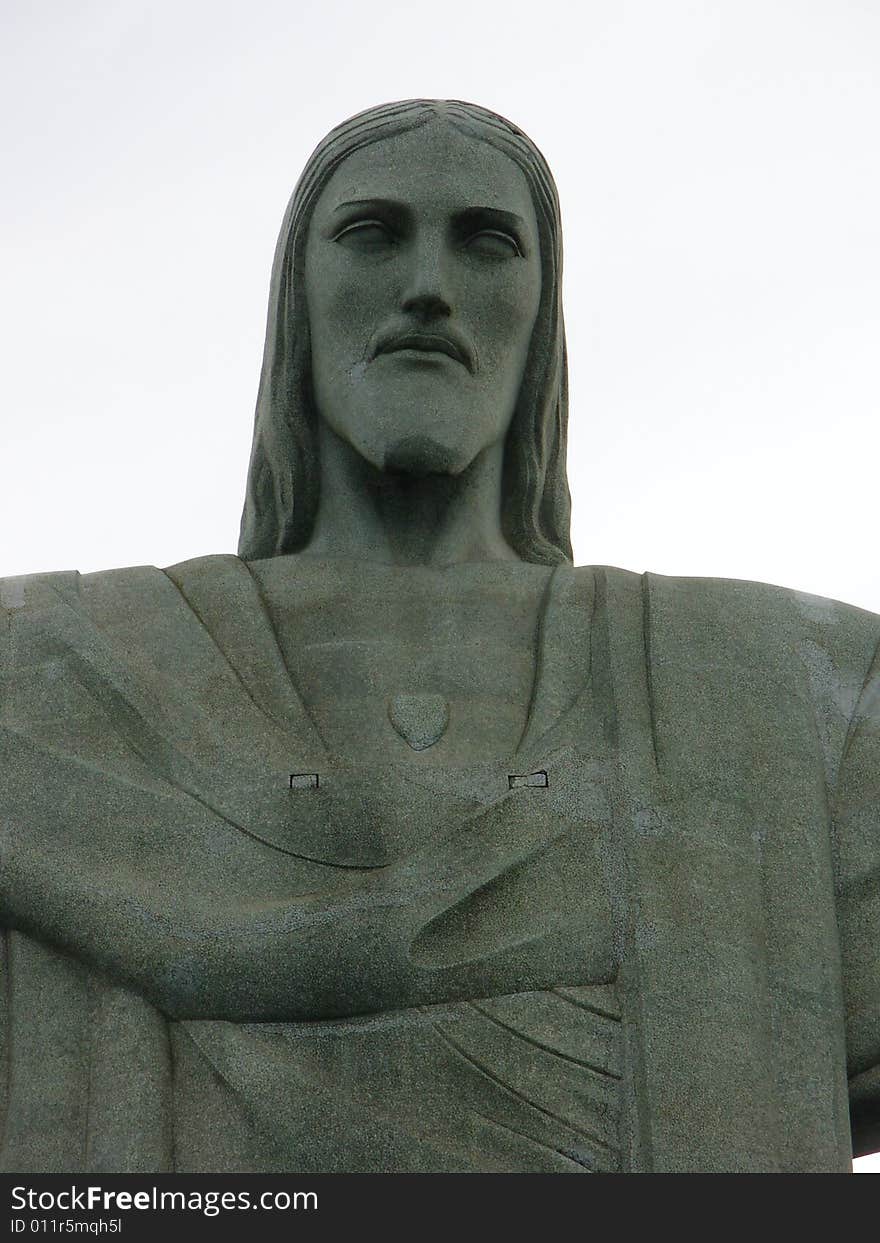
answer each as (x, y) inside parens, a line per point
(423, 279)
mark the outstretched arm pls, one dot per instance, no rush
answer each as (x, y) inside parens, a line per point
(857, 822)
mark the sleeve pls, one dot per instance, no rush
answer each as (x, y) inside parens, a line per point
(857, 837)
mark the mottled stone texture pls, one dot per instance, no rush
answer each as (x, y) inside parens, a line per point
(396, 842)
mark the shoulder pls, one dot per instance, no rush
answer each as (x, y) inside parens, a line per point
(746, 614)
(762, 617)
(741, 634)
(140, 611)
(28, 593)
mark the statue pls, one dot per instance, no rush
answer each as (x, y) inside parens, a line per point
(397, 843)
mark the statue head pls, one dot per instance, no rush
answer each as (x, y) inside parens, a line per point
(503, 376)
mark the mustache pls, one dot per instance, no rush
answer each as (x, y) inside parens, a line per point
(439, 340)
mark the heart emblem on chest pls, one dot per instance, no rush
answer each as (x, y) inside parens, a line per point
(421, 720)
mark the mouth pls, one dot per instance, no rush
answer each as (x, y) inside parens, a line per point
(427, 343)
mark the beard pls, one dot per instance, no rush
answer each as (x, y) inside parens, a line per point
(419, 456)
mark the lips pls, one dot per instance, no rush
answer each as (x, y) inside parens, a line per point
(427, 343)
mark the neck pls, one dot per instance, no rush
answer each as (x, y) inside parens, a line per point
(405, 519)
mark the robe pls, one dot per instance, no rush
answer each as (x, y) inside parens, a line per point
(648, 941)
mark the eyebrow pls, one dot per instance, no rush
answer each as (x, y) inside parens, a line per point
(368, 203)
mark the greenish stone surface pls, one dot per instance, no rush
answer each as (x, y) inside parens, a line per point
(396, 842)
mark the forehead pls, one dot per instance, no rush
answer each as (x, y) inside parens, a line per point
(435, 167)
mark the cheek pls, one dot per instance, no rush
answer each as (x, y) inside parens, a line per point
(504, 316)
(345, 301)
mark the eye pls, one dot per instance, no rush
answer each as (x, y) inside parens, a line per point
(366, 235)
(494, 244)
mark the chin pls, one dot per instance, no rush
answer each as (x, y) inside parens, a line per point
(422, 455)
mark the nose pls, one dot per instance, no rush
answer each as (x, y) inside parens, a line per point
(426, 296)
(427, 306)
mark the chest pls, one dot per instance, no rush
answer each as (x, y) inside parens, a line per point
(407, 671)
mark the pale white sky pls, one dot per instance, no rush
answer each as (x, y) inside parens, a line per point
(717, 165)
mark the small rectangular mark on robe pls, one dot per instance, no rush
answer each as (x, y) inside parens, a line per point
(304, 781)
(515, 780)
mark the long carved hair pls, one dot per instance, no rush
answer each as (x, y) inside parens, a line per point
(284, 475)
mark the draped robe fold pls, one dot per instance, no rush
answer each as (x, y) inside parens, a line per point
(183, 988)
